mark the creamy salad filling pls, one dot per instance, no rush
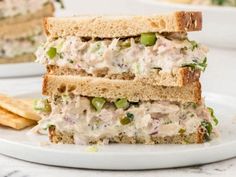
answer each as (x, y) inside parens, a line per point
(14, 47)
(91, 119)
(208, 2)
(10, 8)
(137, 55)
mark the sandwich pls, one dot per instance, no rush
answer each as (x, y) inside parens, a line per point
(22, 28)
(125, 79)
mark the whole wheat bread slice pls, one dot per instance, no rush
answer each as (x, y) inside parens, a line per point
(122, 26)
(46, 11)
(180, 77)
(21, 30)
(132, 90)
(56, 136)
(30, 57)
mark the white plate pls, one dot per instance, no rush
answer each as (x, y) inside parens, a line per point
(20, 70)
(35, 148)
(219, 23)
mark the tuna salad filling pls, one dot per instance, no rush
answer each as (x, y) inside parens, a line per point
(91, 119)
(137, 55)
(11, 8)
(15, 47)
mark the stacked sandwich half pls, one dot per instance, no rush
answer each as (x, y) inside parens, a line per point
(21, 29)
(128, 80)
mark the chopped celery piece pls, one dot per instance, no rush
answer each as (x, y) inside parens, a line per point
(136, 68)
(59, 46)
(213, 115)
(125, 44)
(195, 65)
(52, 52)
(182, 131)
(148, 39)
(207, 125)
(98, 103)
(128, 119)
(42, 105)
(93, 148)
(122, 103)
(47, 126)
(194, 45)
(95, 47)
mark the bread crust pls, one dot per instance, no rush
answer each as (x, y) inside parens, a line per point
(68, 138)
(180, 77)
(18, 59)
(126, 26)
(14, 24)
(132, 90)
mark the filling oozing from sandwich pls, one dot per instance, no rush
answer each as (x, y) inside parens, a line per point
(11, 8)
(10, 48)
(94, 119)
(137, 55)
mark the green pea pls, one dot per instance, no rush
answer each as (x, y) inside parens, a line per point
(98, 103)
(122, 103)
(148, 39)
(52, 52)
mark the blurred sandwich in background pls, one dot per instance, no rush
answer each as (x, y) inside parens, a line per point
(207, 2)
(21, 29)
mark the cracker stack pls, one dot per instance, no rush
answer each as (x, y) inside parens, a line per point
(16, 113)
(131, 79)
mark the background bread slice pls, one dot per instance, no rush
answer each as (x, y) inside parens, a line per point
(109, 26)
(46, 11)
(179, 77)
(30, 57)
(56, 136)
(132, 90)
(21, 30)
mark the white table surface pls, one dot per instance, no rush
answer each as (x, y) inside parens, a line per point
(219, 77)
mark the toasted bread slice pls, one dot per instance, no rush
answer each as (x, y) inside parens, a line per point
(132, 90)
(180, 77)
(123, 26)
(18, 59)
(46, 11)
(56, 136)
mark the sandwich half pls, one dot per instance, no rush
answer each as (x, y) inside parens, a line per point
(151, 49)
(22, 29)
(71, 118)
(124, 80)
